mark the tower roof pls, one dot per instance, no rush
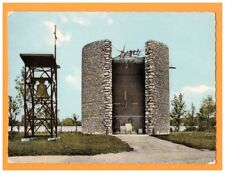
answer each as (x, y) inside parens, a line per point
(38, 60)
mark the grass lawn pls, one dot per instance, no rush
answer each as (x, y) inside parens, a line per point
(195, 139)
(69, 144)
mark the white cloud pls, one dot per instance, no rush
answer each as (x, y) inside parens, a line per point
(197, 89)
(74, 79)
(109, 21)
(87, 19)
(81, 20)
(63, 18)
(61, 37)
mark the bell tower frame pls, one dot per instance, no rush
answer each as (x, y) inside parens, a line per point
(40, 110)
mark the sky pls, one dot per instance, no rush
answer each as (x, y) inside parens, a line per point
(190, 38)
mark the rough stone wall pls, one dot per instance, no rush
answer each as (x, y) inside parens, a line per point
(157, 120)
(97, 87)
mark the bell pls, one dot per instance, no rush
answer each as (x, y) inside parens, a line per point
(42, 89)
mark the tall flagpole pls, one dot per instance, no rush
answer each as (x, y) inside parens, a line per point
(56, 83)
(55, 42)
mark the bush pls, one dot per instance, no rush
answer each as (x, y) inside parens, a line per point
(188, 129)
(14, 135)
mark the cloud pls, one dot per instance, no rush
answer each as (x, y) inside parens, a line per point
(81, 20)
(86, 19)
(74, 79)
(197, 89)
(61, 37)
(109, 21)
(63, 18)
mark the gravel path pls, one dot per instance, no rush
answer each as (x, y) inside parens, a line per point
(147, 149)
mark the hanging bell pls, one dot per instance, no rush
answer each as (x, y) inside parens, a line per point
(42, 89)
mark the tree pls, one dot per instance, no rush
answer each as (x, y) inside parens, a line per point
(178, 110)
(20, 95)
(20, 87)
(59, 123)
(190, 120)
(22, 120)
(67, 122)
(206, 115)
(79, 123)
(75, 118)
(14, 110)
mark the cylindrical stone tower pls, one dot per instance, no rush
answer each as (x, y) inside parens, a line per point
(97, 87)
(157, 119)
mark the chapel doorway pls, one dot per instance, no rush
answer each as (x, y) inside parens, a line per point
(128, 94)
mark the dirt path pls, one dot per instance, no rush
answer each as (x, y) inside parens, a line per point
(147, 149)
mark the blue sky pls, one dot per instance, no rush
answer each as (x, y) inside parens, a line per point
(189, 36)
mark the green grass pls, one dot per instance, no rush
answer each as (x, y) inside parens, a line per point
(195, 139)
(69, 144)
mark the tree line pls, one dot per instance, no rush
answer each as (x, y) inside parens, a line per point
(202, 120)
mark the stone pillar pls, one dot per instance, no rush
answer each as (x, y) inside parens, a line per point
(157, 119)
(97, 87)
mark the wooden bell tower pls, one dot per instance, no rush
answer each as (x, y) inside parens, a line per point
(40, 92)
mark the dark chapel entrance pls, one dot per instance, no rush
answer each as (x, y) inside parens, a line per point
(128, 90)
